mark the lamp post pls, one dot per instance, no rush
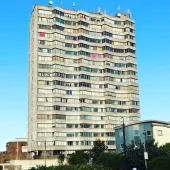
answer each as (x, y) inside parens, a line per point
(45, 154)
(145, 152)
(45, 151)
(124, 144)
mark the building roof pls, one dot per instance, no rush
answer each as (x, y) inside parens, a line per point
(18, 140)
(144, 121)
(84, 11)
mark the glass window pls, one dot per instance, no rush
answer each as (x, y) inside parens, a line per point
(111, 142)
(121, 133)
(148, 133)
(160, 133)
(136, 132)
(96, 126)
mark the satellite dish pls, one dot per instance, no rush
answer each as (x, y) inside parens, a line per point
(118, 14)
(50, 2)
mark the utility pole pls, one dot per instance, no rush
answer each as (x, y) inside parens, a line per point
(124, 145)
(45, 154)
(17, 149)
(145, 152)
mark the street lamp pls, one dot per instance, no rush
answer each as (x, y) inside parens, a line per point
(145, 152)
(45, 153)
(124, 144)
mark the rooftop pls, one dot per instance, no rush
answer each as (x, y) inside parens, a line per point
(145, 121)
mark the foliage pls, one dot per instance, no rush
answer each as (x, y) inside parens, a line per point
(71, 167)
(160, 163)
(78, 158)
(166, 148)
(98, 149)
(61, 159)
(82, 157)
(111, 160)
(135, 153)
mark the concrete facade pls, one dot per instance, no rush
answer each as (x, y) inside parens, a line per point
(82, 79)
(157, 130)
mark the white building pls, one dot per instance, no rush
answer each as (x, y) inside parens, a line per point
(82, 78)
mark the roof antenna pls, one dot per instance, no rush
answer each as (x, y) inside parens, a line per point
(129, 13)
(50, 2)
(85, 7)
(118, 9)
(99, 11)
(61, 3)
(74, 5)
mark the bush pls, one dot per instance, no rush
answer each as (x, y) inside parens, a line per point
(111, 160)
(78, 158)
(71, 167)
(160, 163)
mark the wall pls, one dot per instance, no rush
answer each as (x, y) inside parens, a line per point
(165, 138)
(11, 152)
(27, 164)
(130, 134)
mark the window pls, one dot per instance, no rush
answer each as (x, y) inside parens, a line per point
(44, 12)
(136, 132)
(70, 143)
(96, 126)
(42, 34)
(121, 133)
(59, 13)
(70, 134)
(111, 142)
(69, 125)
(160, 133)
(110, 134)
(60, 143)
(46, 27)
(148, 133)
(61, 117)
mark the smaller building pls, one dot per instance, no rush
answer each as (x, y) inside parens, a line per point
(27, 164)
(15, 150)
(157, 130)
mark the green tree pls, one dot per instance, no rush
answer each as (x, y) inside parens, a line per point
(111, 160)
(135, 153)
(166, 148)
(98, 149)
(159, 163)
(78, 158)
(61, 159)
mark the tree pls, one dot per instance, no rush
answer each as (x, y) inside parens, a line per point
(166, 148)
(159, 163)
(79, 158)
(61, 159)
(135, 153)
(111, 160)
(98, 149)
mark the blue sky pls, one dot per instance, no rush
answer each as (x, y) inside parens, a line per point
(153, 45)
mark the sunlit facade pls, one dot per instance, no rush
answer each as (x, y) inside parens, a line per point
(82, 78)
